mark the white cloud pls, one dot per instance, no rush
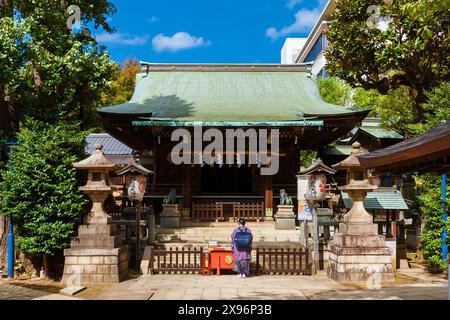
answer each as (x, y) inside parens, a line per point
(122, 39)
(304, 21)
(179, 41)
(152, 19)
(292, 3)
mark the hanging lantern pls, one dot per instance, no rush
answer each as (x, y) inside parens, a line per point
(318, 183)
(136, 187)
(135, 180)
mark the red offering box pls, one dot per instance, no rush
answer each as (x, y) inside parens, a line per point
(220, 259)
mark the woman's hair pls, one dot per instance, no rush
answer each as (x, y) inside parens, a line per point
(241, 221)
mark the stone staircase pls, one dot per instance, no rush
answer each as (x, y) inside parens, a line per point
(264, 233)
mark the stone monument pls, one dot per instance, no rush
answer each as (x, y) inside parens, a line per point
(285, 217)
(96, 255)
(170, 217)
(357, 252)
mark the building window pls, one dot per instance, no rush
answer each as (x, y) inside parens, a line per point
(320, 44)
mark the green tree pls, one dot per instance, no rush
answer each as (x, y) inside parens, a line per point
(428, 204)
(333, 90)
(122, 88)
(48, 71)
(412, 52)
(40, 195)
(396, 111)
(337, 91)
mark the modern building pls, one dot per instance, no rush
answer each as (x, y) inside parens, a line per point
(291, 49)
(312, 52)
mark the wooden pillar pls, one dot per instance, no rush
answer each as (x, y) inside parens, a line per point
(186, 189)
(388, 225)
(394, 224)
(268, 196)
(155, 169)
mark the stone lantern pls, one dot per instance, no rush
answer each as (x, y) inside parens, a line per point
(357, 252)
(311, 183)
(96, 255)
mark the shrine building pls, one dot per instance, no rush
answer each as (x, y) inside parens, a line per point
(225, 96)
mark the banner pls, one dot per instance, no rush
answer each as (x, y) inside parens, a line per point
(304, 211)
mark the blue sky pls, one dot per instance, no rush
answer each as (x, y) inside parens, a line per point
(226, 31)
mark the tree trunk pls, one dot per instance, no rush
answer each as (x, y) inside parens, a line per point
(45, 265)
(419, 99)
(3, 242)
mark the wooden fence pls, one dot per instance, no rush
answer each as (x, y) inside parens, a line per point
(175, 260)
(268, 261)
(283, 261)
(207, 211)
(252, 211)
(214, 211)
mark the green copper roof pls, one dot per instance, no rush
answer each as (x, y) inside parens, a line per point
(163, 123)
(380, 133)
(380, 200)
(227, 96)
(338, 150)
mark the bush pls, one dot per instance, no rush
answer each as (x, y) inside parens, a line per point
(429, 202)
(40, 195)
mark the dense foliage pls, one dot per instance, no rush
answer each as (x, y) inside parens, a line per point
(40, 194)
(410, 48)
(429, 205)
(52, 71)
(396, 112)
(395, 109)
(48, 71)
(122, 88)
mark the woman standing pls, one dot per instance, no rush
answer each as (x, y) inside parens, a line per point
(241, 240)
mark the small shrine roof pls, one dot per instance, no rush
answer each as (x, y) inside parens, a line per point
(428, 152)
(380, 200)
(96, 160)
(352, 160)
(317, 166)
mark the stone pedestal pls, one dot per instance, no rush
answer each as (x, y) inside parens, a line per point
(96, 256)
(170, 217)
(285, 217)
(357, 252)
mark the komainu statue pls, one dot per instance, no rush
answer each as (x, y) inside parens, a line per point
(285, 199)
(171, 198)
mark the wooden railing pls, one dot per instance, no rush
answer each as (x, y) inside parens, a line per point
(176, 260)
(214, 211)
(248, 211)
(283, 261)
(268, 261)
(207, 211)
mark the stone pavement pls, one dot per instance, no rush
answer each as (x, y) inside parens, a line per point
(14, 292)
(415, 286)
(229, 287)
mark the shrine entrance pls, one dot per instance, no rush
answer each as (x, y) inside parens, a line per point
(228, 179)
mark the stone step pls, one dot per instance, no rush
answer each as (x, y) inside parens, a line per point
(222, 238)
(226, 245)
(229, 224)
(225, 231)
